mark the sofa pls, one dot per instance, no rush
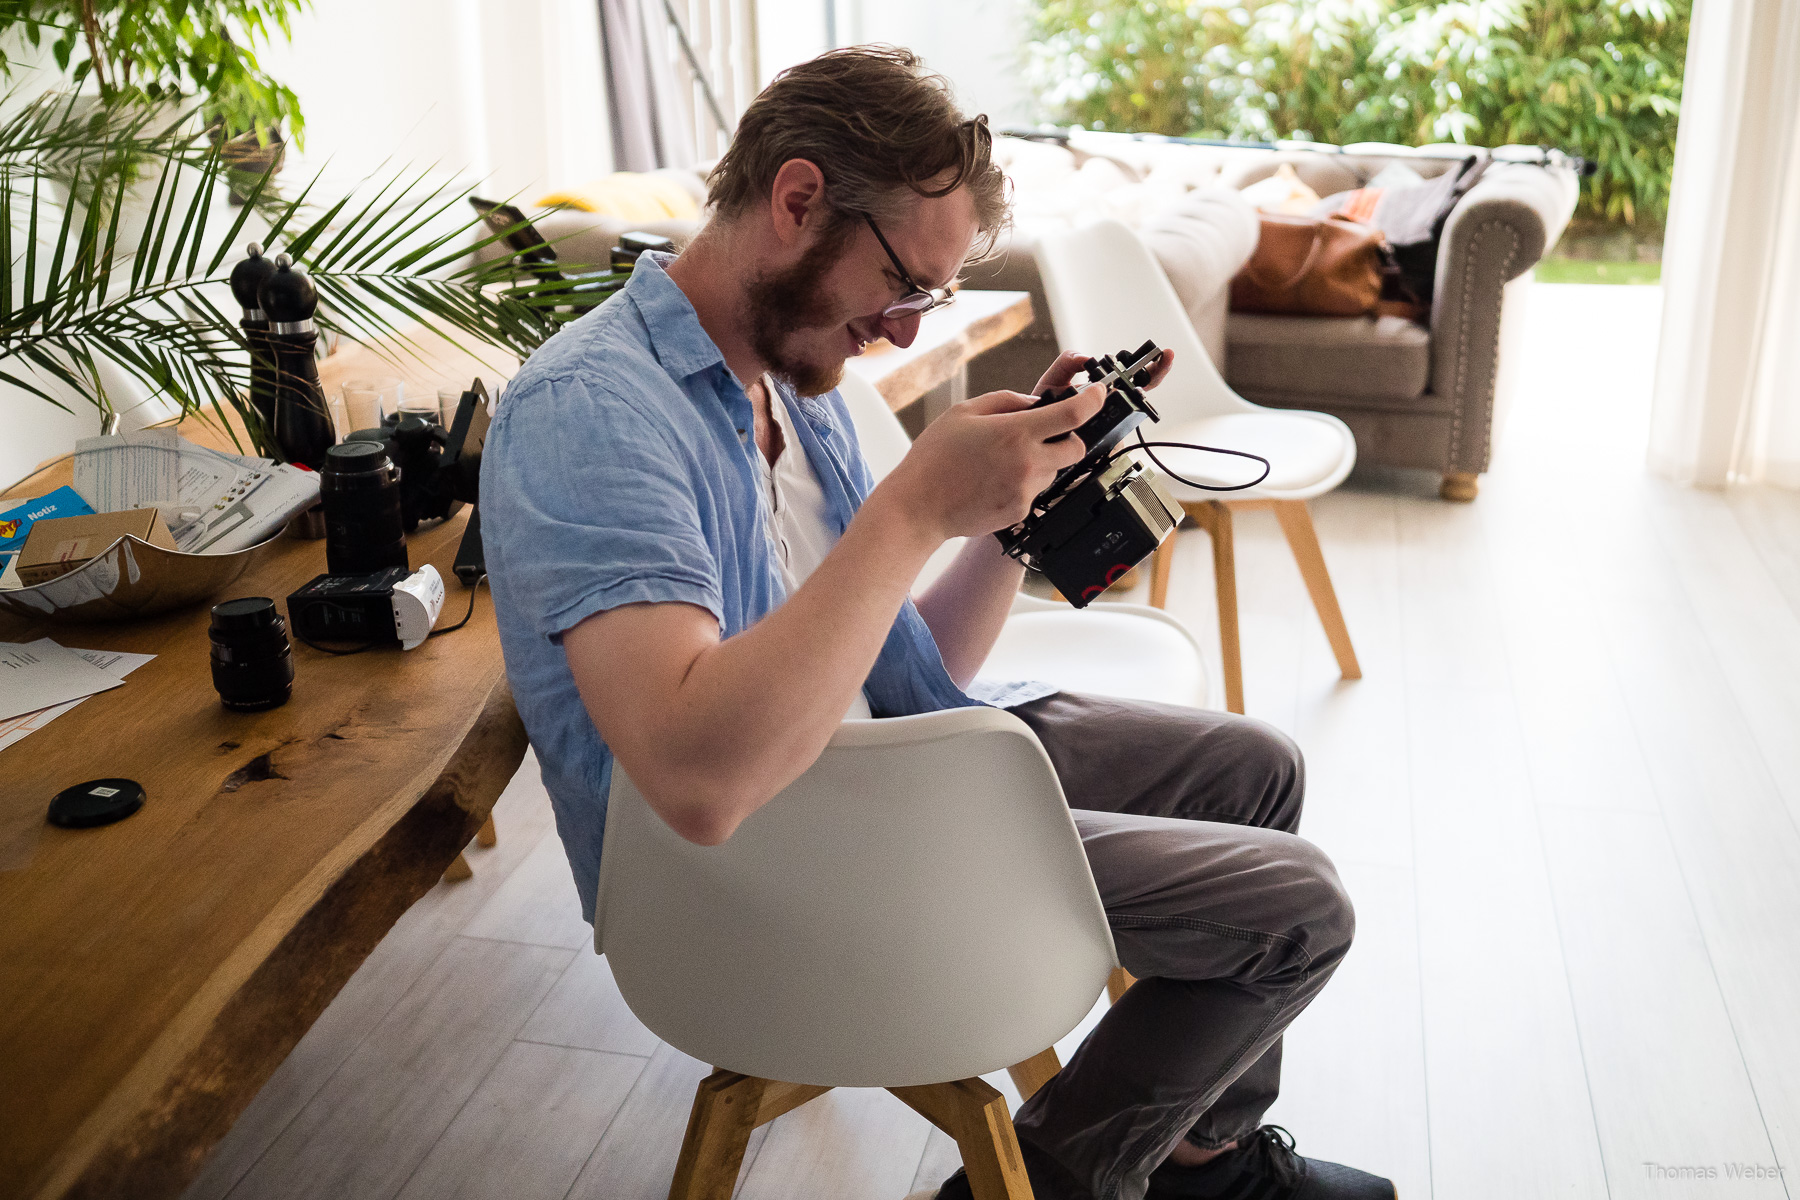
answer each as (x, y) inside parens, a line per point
(1426, 395)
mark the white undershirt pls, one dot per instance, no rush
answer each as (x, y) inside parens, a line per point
(797, 521)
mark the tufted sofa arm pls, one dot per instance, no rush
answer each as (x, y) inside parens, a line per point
(1492, 238)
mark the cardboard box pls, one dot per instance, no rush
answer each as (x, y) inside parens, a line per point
(58, 545)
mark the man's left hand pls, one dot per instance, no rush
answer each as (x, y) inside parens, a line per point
(1071, 363)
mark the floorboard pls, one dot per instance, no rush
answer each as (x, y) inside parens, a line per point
(374, 1121)
(529, 1127)
(1664, 1067)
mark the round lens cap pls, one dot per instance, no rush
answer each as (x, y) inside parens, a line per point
(96, 802)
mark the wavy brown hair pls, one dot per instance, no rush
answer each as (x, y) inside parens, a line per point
(878, 125)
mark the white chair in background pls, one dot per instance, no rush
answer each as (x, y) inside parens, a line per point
(912, 912)
(1109, 649)
(1107, 293)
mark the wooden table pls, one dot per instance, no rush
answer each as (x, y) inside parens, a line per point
(948, 339)
(153, 973)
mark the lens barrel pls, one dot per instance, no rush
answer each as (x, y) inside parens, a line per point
(360, 488)
(252, 663)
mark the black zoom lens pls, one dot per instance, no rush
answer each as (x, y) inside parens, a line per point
(252, 663)
(360, 487)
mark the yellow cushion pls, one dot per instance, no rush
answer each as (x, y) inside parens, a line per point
(628, 196)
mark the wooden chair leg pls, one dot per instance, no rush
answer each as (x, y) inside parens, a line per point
(1296, 523)
(1162, 565)
(727, 1108)
(487, 835)
(1215, 518)
(458, 871)
(1035, 1072)
(975, 1115)
(1117, 983)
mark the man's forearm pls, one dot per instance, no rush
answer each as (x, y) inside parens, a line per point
(966, 606)
(753, 711)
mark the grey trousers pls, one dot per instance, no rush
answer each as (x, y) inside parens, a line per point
(1231, 922)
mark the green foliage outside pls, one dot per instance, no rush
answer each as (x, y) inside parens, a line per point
(1598, 78)
(169, 50)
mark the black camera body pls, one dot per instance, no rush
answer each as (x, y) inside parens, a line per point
(1105, 514)
(440, 469)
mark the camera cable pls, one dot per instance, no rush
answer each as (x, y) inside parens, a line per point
(1180, 478)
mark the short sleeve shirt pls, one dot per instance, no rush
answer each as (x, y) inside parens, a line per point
(621, 469)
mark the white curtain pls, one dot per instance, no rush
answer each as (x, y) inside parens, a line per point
(1727, 401)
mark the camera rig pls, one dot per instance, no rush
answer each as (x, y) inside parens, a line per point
(1105, 514)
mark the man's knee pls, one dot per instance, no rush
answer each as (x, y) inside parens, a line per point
(1325, 918)
(1268, 766)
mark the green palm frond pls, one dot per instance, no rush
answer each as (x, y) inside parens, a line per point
(120, 245)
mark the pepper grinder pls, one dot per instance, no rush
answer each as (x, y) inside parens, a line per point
(247, 279)
(303, 429)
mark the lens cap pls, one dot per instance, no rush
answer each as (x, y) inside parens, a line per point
(96, 802)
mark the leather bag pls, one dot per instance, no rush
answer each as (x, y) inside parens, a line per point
(1311, 266)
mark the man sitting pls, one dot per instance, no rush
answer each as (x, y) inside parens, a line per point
(694, 575)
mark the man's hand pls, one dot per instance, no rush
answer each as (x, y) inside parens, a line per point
(978, 467)
(1071, 363)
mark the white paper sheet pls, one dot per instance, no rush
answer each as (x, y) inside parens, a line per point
(133, 470)
(117, 663)
(38, 674)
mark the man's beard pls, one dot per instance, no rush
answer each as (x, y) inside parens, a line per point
(788, 302)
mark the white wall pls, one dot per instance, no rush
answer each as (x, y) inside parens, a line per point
(974, 43)
(507, 92)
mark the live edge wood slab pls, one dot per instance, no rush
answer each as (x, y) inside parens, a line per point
(153, 973)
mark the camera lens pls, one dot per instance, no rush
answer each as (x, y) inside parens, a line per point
(252, 664)
(360, 488)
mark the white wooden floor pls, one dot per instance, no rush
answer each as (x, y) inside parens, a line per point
(1566, 798)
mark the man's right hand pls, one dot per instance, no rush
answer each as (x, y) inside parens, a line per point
(978, 467)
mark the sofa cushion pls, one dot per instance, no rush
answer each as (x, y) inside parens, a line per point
(1383, 358)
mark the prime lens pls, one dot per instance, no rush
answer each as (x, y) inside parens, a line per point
(360, 489)
(252, 663)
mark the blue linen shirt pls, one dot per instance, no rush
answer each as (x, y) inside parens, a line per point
(621, 469)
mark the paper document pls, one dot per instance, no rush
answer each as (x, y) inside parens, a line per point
(38, 674)
(132, 470)
(254, 507)
(118, 663)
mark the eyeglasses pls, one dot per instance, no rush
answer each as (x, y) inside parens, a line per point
(915, 301)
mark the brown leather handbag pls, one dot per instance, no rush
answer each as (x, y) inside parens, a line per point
(1312, 266)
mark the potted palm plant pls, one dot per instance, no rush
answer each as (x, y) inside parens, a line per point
(92, 293)
(177, 54)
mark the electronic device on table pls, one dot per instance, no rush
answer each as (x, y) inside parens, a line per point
(1102, 516)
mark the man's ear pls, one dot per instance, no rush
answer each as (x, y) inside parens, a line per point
(797, 198)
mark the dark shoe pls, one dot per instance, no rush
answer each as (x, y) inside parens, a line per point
(1265, 1167)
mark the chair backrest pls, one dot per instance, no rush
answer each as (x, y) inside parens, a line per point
(915, 908)
(1107, 293)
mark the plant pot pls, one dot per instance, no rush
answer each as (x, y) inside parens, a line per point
(248, 160)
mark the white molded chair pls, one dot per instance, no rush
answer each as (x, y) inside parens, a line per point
(1110, 649)
(1107, 293)
(912, 912)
